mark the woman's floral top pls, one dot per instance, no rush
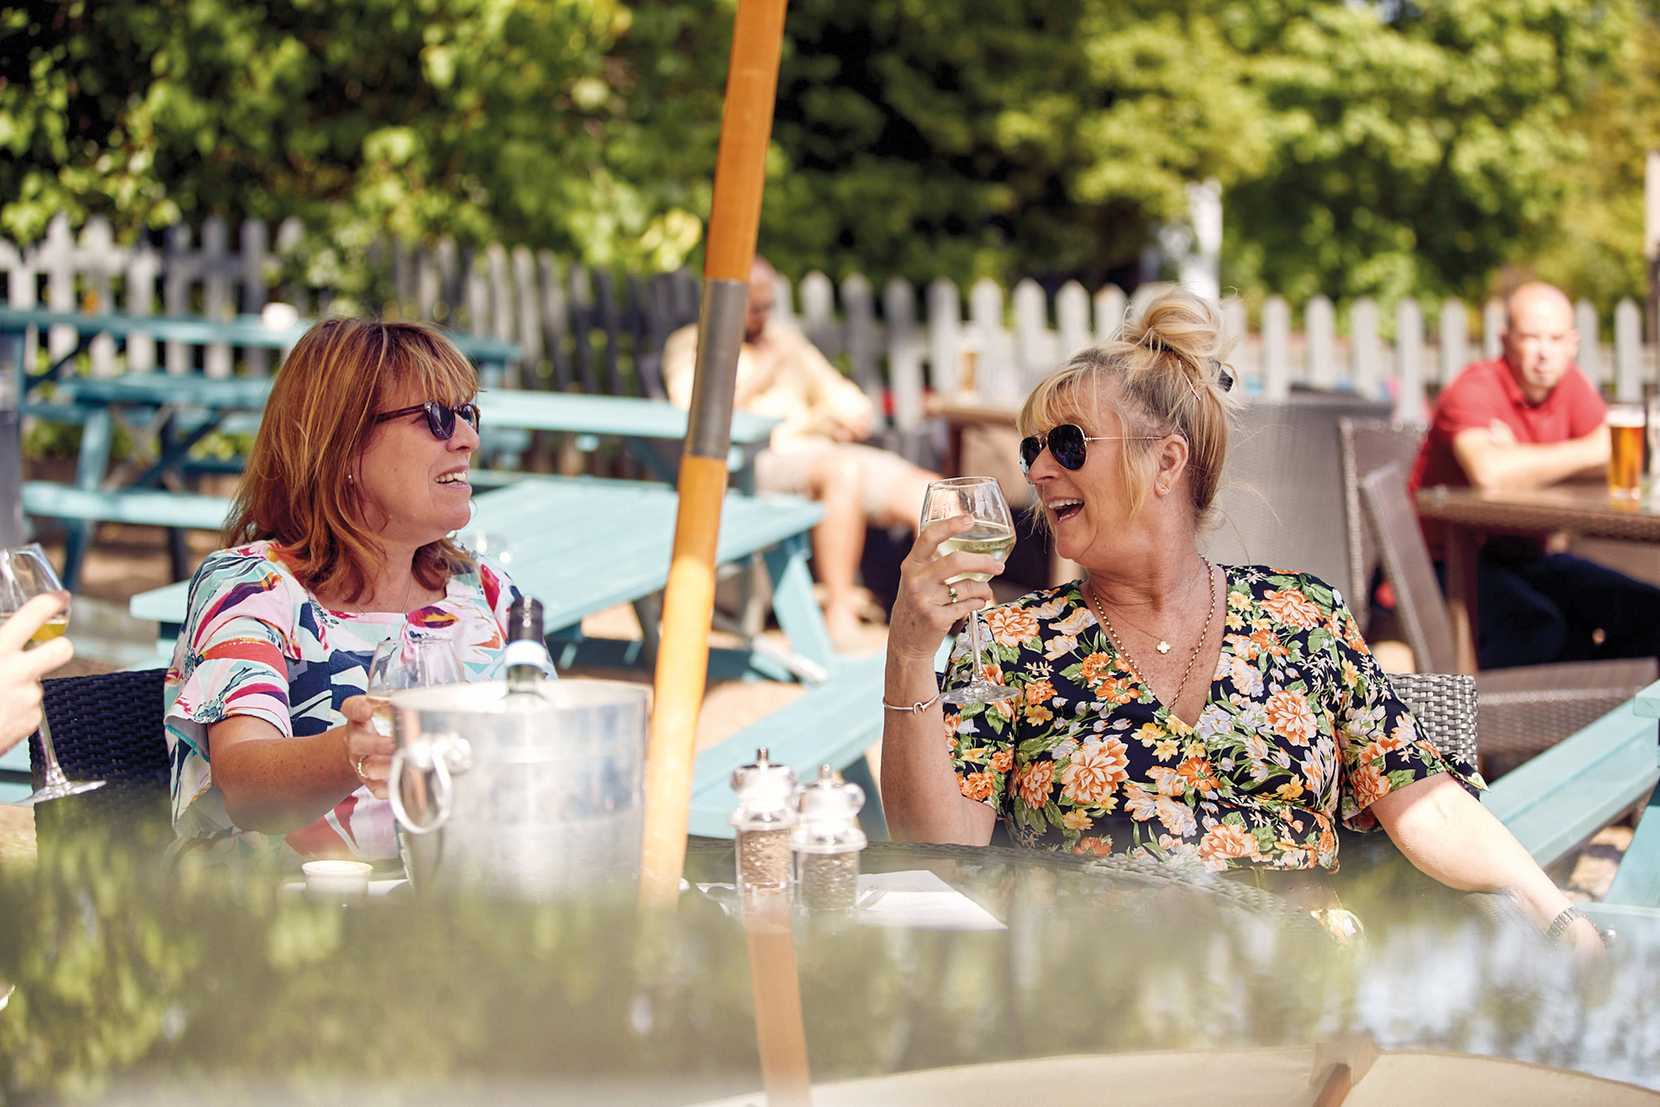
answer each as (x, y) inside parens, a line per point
(1300, 728)
(255, 642)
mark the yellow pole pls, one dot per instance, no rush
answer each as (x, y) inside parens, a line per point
(683, 656)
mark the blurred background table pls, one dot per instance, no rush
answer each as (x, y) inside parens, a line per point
(1469, 516)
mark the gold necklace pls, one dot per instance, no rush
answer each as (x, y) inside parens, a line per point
(1100, 610)
(1163, 645)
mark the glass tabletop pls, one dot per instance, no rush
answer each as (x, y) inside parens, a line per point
(130, 980)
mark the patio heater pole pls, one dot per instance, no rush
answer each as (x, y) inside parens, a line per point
(689, 602)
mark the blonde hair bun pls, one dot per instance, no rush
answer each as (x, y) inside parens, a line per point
(1182, 324)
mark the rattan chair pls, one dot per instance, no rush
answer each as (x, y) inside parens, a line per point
(1524, 710)
(1281, 500)
(1445, 705)
(1364, 447)
(109, 728)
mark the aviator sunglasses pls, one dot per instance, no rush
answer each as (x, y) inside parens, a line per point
(1068, 445)
(440, 417)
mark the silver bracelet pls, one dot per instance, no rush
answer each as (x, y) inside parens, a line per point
(1559, 925)
(916, 708)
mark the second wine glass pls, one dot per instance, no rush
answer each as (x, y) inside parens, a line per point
(413, 662)
(992, 535)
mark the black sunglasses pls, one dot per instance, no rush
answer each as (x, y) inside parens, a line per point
(440, 417)
(1068, 445)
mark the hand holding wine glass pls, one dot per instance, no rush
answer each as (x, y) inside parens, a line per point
(966, 533)
(398, 662)
(26, 575)
(37, 623)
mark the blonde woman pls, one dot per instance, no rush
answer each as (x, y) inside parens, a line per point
(1228, 714)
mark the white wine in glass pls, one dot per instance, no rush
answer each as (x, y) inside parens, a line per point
(24, 574)
(989, 539)
(991, 534)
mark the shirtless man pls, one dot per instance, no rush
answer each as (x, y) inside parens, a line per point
(817, 450)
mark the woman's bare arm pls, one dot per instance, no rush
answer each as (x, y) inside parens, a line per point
(1449, 836)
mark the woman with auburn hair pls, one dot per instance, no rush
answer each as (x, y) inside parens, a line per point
(337, 541)
(1228, 715)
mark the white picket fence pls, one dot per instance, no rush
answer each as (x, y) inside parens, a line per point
(578, 327)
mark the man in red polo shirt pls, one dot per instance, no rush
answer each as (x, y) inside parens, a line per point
(1525, 420)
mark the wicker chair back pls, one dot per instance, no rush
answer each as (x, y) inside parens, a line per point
(1446, 709)
(1281, 501)
(1364, 447)
(1407, 562)
(109, 727)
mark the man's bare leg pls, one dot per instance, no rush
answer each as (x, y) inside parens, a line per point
(839, 541)
(904, 501)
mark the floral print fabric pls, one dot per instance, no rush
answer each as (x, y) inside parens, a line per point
(1300, 729)
(256, 643)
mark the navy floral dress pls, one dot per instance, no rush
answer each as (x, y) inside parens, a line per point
(1300, 729)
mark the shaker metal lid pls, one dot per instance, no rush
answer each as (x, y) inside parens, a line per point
(829, 797)
(762, 778)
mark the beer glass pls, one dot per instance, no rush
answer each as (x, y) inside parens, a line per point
(1651, 427)
(1625, 451)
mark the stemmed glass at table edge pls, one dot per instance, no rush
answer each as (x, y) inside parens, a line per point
(15, 591)
(982, 499)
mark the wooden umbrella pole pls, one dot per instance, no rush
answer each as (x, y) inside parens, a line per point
(683, 654)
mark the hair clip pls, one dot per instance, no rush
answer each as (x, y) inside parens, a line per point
(1225, 379)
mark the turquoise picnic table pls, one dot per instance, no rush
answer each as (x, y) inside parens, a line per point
(183, 410)
(582, 545)
(1562, 797)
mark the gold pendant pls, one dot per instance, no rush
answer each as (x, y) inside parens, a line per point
(1163, 646)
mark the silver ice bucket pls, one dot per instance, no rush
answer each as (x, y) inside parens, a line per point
(526, 797)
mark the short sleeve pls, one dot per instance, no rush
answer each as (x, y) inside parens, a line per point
(1586, 409)
(979, 737)
(1466, 405)
(1379, 746)
(233, 650)
(482, 617)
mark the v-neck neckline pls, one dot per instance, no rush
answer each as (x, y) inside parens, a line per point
(1122, 665)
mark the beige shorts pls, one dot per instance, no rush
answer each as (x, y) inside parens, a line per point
(789, 469)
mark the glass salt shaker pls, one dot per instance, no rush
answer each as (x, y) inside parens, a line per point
(763, 820)
(827, 841)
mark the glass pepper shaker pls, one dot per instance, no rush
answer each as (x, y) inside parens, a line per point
(763, 820)
(827, 841)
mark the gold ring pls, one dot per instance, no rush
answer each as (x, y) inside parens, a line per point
(951, 590)
(357, 764)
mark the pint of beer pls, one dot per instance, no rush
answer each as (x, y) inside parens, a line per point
(1625, 457)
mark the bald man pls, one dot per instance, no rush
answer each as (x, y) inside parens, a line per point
(816, 450)
(1528, 419)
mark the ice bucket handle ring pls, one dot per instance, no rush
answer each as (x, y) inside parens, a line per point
(439, 756)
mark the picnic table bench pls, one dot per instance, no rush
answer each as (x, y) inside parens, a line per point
(1560, 798)
(581, 545)
(183, 410)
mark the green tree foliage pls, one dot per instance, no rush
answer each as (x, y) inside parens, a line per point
(998, 137)
(478, 119)
(1596, 248)
(1379, 148)
(1416, 147)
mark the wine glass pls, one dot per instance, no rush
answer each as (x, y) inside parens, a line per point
(993, 535)
(488, 544)
(24, 574)
(414, 662)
